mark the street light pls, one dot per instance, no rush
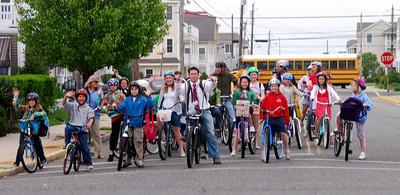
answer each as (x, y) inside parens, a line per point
(161, 53)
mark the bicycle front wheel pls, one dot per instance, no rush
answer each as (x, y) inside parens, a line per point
(30, 158)
(123, 151)
(267, 144)
(224, 130)
(68, 159)
(190, 148)
(252, 142)
(162, 143)
(77, 160)
(347, 141)
(242, 137)
(278, 147)
(326, 133)
(151, 147)
(338, 142)
(297, 132)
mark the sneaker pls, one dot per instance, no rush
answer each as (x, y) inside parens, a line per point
(43, 162)
(287, 155)
(89, 167)
(252, 129)
(126, 164)
(183, 154)
(362, 156)
(233, 153)
(217, 161)
(15, 164)
(110, 158)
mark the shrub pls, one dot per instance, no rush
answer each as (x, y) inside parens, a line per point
(203, 76)
(105, 78)
(3, 122)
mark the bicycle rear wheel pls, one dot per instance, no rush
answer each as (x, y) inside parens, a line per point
(68, 159)
(123, 151)
(242, 137)
(77, 159)
(30, 158)
(297, 132)
(151, 147)
(267, 144)
(162, 143)
(347, 141)
(338, 143)
(190, 148)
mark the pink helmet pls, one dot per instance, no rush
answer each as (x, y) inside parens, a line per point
(361, 82)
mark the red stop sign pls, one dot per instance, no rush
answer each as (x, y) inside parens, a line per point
(387, 58)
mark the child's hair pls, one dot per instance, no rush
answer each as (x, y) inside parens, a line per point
(326, 80)
(36, 108)
(240, 82)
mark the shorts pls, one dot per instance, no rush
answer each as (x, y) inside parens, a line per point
(306, 101)
(175, 120)
(277, 124)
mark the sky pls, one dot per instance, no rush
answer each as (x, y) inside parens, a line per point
(294, 34)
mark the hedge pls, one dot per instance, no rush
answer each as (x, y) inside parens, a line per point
(44, 85)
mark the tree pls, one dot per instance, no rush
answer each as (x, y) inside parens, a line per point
(369, 65)
(87, 35)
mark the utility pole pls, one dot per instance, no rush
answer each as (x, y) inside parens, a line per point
(361, 43)
(391, 49)
(279, 44)
(232, 37)
(327, 46)
(241, 33)
(269, 42)
(252, 29)
(181, 39)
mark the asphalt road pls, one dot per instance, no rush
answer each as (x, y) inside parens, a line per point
(312, 170)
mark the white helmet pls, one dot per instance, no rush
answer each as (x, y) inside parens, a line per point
(274, 81)
(283, 63)
(145, 84)
(317, 63)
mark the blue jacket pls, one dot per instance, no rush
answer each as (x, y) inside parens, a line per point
(135, 110)
(364, 99)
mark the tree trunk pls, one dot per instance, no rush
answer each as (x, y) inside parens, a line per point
(135, 69)
(85, 74)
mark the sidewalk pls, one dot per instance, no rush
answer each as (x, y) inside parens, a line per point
(52, 146)
(392, 97)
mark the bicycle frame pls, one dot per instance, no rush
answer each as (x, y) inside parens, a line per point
(243, 120)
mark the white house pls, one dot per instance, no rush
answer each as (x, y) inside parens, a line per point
(191, 37)
(12, 52)
(225, 49)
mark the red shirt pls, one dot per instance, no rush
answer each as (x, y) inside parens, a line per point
(271, 102)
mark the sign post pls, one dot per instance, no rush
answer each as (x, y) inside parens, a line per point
(387, 59)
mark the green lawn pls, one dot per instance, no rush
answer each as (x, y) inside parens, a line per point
(54, 117)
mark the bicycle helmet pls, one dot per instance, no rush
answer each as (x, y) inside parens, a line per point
(283, 63)
(361, 82)
(287, 76)
(317, 63)
(251, 70)
(274, 81)
(145, 85)
(135, 84)
(245, 76)
(220, 64)
(169, 72)
(322, 74)
(113, 82)
(82, 92)
(32, 96)
(309, 67)
(124, 78)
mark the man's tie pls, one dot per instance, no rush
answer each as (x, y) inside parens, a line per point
(195, 98)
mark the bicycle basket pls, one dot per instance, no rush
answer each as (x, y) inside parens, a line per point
(352, 109)
(243, 108)
(23, 125)
(164, 115)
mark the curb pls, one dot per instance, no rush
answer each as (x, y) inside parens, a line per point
(50, 157)
(389, 99)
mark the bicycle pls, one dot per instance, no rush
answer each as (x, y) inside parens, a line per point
(271, 139)
(126, 147)
(324, 129)
(245, 137)
(165, 139)
(73, 155)
(30, 159)
(226, 126)
(193, 141)
(294, 127)
(310, 131)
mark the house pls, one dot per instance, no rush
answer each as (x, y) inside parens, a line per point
(208, 38)
(191, 37)
(229, 53)
(352, 46)
(166, 55)
(11, 51)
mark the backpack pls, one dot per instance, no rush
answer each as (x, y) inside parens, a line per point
(43, 127)
(352, 110)
(150, 130)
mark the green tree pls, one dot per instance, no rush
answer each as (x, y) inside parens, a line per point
(369, 65)
(87, 35)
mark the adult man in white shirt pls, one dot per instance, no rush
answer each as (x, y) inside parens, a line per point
(197, 102)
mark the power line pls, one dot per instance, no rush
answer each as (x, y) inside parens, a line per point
(311, 17)
(220, 18)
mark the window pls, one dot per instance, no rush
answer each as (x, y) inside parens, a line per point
(228, 48)
(248, 64)
(299, 65)
(169, 13)
(169, 46)
(272, 65)
(290, 65)
(3, 71)
(369, 38)
(149, 73)
(342, 64)
(5, 1)
(262, 66)
(202, 54)
(187, 50)
(306, 64)
(333, 65)
(324, 65)
(351, 64)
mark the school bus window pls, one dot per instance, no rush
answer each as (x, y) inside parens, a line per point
(262, 65)
(351, 64)
(272, 65)
(299, 65)
(306, 64)
(290, 65)
(248, 64)
(333, 65)
(342, 64)
(324, 65)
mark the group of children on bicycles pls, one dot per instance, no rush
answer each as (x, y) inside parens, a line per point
(130, 101)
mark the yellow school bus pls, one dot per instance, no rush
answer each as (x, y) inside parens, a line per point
(343, 67)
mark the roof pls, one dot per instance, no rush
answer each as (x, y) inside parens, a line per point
(389, 30)
(351, 42)
(298, 56)
(206, 24)
(364, 25)
(228, 36)
(157, 61)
